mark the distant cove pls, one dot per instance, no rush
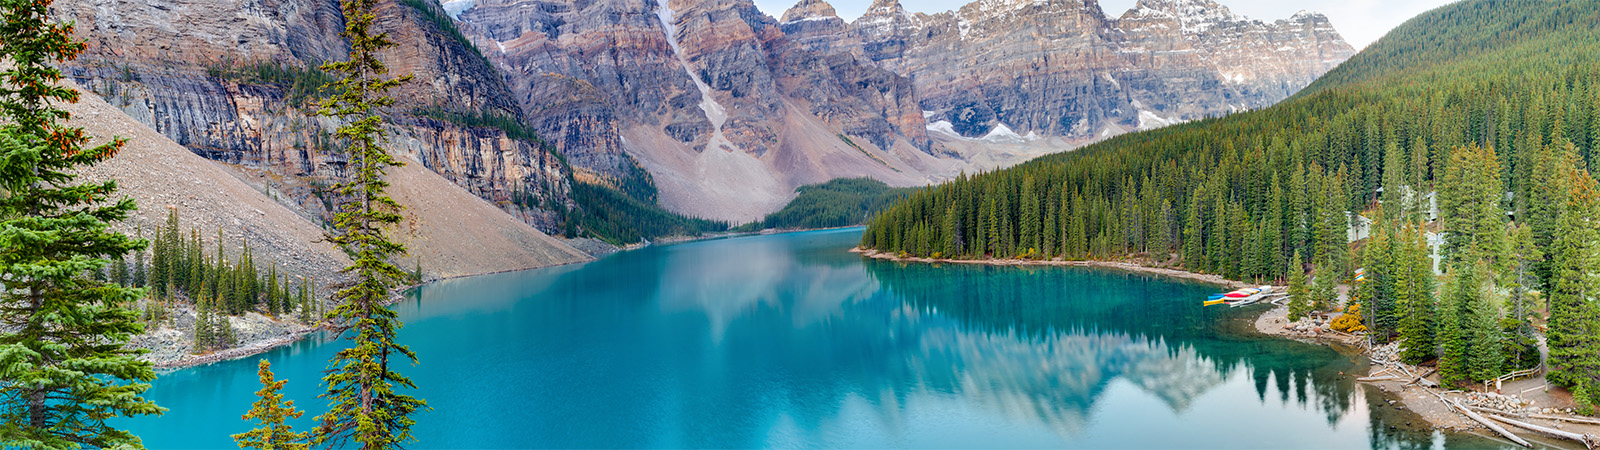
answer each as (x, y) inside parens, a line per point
(790, 341)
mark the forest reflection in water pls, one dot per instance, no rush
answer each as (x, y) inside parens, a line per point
(790, 341)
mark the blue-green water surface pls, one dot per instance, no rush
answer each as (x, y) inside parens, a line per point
(789, 341)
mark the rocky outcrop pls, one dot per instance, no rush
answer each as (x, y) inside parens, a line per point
(233, 81)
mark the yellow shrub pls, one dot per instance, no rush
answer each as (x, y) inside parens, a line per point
(1350, 322)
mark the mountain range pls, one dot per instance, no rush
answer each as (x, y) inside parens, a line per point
(709, 108)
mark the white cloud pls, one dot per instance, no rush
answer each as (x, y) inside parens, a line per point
(1359, 21)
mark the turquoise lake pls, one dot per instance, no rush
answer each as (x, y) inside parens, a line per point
(789, 341)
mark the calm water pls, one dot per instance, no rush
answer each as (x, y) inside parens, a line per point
(788, 341)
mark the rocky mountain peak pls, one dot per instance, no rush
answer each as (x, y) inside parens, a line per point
(1313, 18)
(885, 19)
(1194, 16)
(885, 6)
(810, 10)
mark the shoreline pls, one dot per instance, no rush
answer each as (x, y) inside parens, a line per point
(1423, 402)
(1119, 265)
(266, 345)
(243, 351)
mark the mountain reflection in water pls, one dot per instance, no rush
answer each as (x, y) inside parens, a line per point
(789, 341)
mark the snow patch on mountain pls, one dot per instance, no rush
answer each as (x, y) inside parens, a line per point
(455, 7)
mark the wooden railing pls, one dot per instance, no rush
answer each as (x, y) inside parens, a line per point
(1512, 376)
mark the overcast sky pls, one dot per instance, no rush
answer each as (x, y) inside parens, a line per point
(1359, 21)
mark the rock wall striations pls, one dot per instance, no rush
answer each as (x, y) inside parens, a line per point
(712, 97)
(1065, 68)
(232, 81)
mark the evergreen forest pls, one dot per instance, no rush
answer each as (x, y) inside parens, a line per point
(1475, 126)
(837, 203)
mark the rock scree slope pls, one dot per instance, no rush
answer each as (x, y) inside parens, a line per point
(454, 232)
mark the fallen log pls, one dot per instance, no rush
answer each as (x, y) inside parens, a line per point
(1382, 378)
(1404, 369)
(1565, 419)
(1491, 425)
(1587, 440)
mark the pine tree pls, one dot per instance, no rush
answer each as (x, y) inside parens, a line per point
(1481, 327)
(1193, 230)
(203, 333)
(951, 247)
(1469, 205)
(1418, 314)
(119, 272)
(195, 281)
(140, 274)
(1394, 182)
(1453, 368)
(1574, 330)
(1299, 293)
(1324, 290)
(63, 331)
(305, 304)
(272, 411)
(1030, 220)
(993, 233)
(272, 290)
(1525, 256)
(364, 405)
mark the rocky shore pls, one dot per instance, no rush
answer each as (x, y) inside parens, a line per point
(171, 345)
(1417, 387)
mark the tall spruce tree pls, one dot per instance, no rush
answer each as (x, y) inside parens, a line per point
(63, 369)
(1418, 313)
(1469, 206)
(1453, 344)
(1324, 287)
(365, 405)
(1299, 293)
(1574, 331)
(1525, 255)
(1481, 327)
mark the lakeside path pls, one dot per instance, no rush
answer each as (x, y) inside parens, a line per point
(1425, 403)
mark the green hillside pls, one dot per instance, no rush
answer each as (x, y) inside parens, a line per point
(1493, 104)
(838, 203)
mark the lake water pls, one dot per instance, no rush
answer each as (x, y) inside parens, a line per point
(788, 341)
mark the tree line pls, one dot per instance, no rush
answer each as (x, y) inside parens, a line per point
(840, 202)
(1489, 150)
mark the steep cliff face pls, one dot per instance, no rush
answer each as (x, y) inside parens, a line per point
(233, 82)
(726, 111)
(1064, 68)
(581, 71)
(1199, 46)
